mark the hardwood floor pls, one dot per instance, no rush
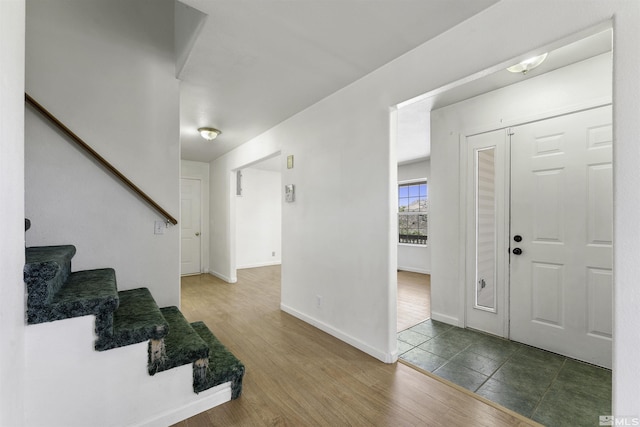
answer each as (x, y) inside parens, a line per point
(414, 299)
(297, 375)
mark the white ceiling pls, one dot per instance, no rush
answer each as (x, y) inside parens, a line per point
(258, 62)
(414, 118)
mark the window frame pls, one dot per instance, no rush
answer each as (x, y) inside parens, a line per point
(407, 183)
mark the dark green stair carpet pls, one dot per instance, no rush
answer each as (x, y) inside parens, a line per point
(223, 365)
(84, 293)
(182, 344)
(45, 271)
(137, 319)
(125, 317)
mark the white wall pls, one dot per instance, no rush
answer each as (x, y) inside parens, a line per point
(340, 244)
(413, 257)
(258, 219)
(580, 85)
(12, 294)
(106, 70)
(110, 388)
(200, 170)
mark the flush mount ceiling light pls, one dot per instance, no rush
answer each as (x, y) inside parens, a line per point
(209, 133)
(528, 64)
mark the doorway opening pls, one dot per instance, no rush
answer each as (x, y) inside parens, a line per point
(413, 249)
(575, 77)
(256, 218)
(191, 239)
(258, 214)
(194, 218)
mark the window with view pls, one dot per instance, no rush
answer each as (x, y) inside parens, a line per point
(413, 213)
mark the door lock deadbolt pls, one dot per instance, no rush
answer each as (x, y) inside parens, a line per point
(517, 238)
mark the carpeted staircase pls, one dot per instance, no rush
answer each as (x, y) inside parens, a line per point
(125, 317)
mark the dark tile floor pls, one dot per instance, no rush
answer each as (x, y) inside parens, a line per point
(548, 388)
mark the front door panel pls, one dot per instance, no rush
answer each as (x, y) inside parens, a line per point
(561, 285)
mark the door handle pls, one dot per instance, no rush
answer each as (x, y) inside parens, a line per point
(197, 233)
(517, 251)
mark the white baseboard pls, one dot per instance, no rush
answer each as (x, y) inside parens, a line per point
(380, 355)
(259, 264)
(449, 320)
(223, 277)
(206, 400)
(414, 270)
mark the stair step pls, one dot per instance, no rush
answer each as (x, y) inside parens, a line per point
(45, 271)
(223, 365)
(84, 293)
(182, 344)
(137, 319)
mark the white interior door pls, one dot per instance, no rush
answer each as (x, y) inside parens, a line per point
(487, 233)
(190, 220)
(562, 208)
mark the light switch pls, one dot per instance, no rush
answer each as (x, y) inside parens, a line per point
(159, 227)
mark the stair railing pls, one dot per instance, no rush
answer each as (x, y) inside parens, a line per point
(86, 147)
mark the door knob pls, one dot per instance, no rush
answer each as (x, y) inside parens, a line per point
(517, 251)
(197, 233)
(517, 238)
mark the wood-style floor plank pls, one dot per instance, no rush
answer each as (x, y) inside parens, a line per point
(297, 375)
(414, 299)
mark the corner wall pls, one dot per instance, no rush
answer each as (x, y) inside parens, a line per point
(106, 70)
(12, 288)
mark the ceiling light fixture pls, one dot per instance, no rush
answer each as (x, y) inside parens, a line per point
(528, 64)
(209, 133)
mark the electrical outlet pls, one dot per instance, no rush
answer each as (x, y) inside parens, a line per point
(318, 301)
(273, 253)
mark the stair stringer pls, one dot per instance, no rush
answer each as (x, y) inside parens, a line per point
(68, 383)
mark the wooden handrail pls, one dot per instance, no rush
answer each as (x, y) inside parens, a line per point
(29, 100)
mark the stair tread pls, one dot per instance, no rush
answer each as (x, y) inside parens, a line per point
(46, 269)
(84, 293)
(88, 285)
(39, 254)
(182, 344)
(223, 365)
(137, 319)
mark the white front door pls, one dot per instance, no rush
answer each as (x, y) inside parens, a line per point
(190, 225)
(561, 235)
